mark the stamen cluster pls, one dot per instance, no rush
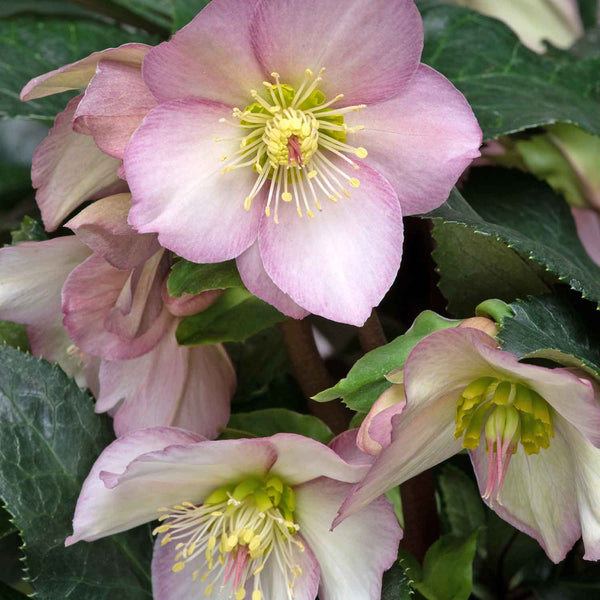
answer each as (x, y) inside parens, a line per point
(232, 535)
(290, 137)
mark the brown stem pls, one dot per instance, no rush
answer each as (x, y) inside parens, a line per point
(421, 523)
(312, 374)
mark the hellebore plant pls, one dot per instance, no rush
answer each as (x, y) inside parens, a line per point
(244, 519)
(532, 434)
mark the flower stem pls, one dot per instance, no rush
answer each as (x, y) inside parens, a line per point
(312, 374)
(421, 523)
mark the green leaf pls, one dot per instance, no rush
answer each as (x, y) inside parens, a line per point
(474, 267)
(8, 593)
(159, 12)
(31, 47)
(191, 278)
(14, 334)
(588, 9)
(462, 508)
(448, 568)
(366, 380)
(264, 423)
(552, 327)
(235, 316)
(529, 217)
(396, 584)
(509, 87)
(185, 10)
(31, 230)
(49, 439)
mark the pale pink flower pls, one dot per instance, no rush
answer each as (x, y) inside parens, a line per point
(532, 433)
(245, 518)
(587, 221)
(325, 163)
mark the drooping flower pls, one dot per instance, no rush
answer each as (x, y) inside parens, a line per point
(245, 519)
(257, 153)
(532, 434)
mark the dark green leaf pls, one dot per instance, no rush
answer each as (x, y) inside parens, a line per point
(234, 317)
(366, 380)
(55, 8)
(474, 267)
(462, 507)
(551, 327)
(191, 278)
(509, 87)
(588, 9)
(185, 10)
(264, 423)
(49, 439)
(396, 584)
(31, 230)
(159, 12)
(7, 593)
(14, 334)
(448, 568)
(30, 47)
(529, 217)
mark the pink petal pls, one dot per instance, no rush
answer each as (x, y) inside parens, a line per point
(300, 459)
(116, 314)
(100, 511)
(348, 571)
(190, 304)
(255, 278)
(115, 103)
(68, 169)
(428, 123)
(103, 227)
(78, 74)
(345, 446)
(341, 37)
(588, 229)
(173, 166)
(227, 70)
(31, 278)
(538, 496)
(170, 385)
(333, 265)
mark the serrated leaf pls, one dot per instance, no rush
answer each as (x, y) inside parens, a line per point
(185, 10)
(14, 334)
(448, 568)
(191, 278)
(49, 439)
(509, 87)
(396, 584)
(551, 327)
(366, 380)
(30, 47)
(267, 422)
(529, 217)
(234, 316)
(474, 267)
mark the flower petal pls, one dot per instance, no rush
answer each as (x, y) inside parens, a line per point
(78, 74)
(103, 227)
(333, 265)
(115, 103)
(348, 571)
(588, 229)
(344, 445)
(173, 166)
(116, 314)
(228, 69)
(68, 169)
(170, 385)
(539, 496)
(429, 122)
(339, 36)
(422, 437)
(101, 511)
(300, 459)
(32, 275)
(255, 278)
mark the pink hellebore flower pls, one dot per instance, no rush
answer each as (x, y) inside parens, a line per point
(246, 518)
(116, 307)
(532, 433)
(248, 118)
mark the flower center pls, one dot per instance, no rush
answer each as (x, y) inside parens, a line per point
(508, 412)
(230, 537)
(290, 138)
